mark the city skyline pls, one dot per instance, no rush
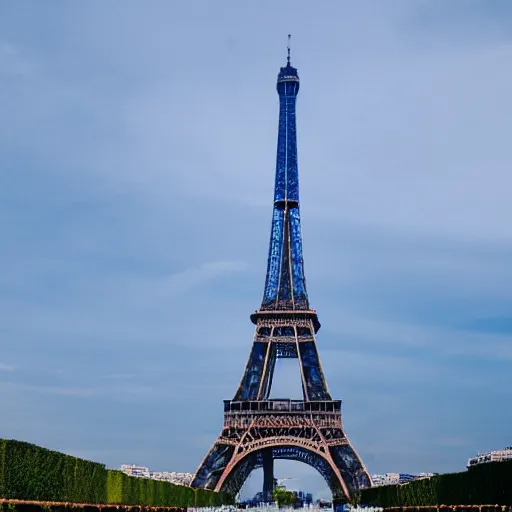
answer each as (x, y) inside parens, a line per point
(129, 277)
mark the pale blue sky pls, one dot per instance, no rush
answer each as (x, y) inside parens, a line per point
(137, 150)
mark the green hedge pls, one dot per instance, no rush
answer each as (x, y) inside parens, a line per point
(485, 484)
(29, 472)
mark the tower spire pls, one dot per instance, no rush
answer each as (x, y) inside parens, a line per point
(288, 59)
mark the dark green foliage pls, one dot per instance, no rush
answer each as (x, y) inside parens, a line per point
(115, 487)
(283, 498)
(206, 498)
(355, 499)
(28, 472)
(486, 484)
(224, 498)
(86, 483)
(3, 444)
(32, 471)
(203, 498)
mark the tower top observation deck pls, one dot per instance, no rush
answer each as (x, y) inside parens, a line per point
(287, 73)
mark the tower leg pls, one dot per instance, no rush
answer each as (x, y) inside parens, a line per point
(268, 474)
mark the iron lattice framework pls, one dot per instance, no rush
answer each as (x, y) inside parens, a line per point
(257, 430)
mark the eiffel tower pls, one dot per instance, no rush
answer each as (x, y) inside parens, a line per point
(257, 430)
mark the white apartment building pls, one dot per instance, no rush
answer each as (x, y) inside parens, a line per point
(133, 470)
(173, 477)
(167, 476)
(386, 479)
(493, 456)
(397, 478)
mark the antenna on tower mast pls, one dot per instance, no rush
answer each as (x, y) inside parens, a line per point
(289, 37)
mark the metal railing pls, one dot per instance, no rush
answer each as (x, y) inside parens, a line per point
(282, 405)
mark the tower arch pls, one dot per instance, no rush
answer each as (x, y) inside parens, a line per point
(234, 477)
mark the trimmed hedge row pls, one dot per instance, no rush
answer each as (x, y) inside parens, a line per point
(70, 507)
(29, 472)
(485, 484)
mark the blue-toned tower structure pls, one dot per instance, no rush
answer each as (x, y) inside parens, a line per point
(257, 430)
